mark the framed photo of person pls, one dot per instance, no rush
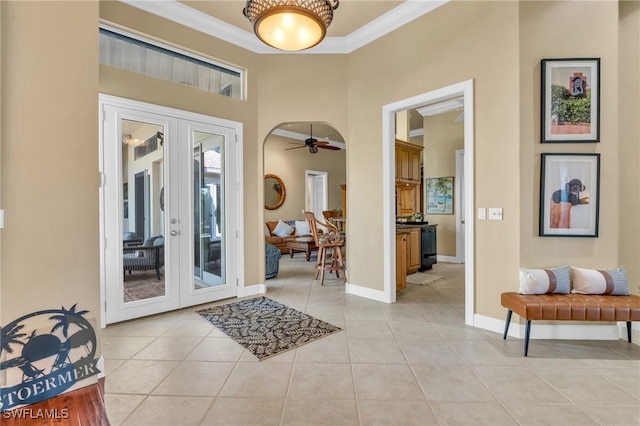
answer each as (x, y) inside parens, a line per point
(569, 195)
(570, 100)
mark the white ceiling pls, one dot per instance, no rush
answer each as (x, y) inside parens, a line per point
(355, 22)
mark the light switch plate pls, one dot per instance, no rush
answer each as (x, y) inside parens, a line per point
(482, 213)
(495, 214)
(1, 219)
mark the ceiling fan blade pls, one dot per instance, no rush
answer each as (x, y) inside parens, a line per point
(330, 147)
(297, 147)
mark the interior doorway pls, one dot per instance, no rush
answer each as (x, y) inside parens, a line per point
(462, 90)
(315, 192)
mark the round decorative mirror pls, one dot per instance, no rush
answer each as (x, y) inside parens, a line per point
(274, 192)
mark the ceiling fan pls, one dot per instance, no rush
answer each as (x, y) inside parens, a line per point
(313, 144)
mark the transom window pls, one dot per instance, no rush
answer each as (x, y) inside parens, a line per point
(151, 58)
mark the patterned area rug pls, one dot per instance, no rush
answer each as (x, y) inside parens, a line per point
(421, 278)
(265, 327)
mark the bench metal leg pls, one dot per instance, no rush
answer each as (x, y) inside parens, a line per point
(506, 324)
(527, 332)
(629, 331)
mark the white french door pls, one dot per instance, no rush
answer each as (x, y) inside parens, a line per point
(170, 179)
(209, 235)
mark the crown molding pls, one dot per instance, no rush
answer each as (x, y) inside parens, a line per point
(390, 21)
(441, 107)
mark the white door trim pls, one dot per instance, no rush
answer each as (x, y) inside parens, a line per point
(464, 89)
(459, 202)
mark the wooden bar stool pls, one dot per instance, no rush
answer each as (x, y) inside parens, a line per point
(330, 243)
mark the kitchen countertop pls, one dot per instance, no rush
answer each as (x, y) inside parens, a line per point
(412, 225)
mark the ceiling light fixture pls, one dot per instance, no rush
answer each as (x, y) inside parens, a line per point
(290, 24)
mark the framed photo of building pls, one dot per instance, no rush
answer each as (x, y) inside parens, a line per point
(439, 192)
(570, 100)
(569, 195)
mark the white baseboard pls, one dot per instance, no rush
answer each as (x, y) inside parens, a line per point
(367, 293)
(252, 290)
(447, 259)
(565, 331)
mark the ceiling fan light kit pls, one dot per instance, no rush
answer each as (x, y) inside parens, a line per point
(290, 25)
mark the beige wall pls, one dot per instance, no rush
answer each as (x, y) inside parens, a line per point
(442, 137)
(544, 26)
(629, 135)
(442, 57)
(291, 165)
(49, 99)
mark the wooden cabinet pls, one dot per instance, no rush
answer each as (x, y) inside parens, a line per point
(408, 179)
(408, 199)
(401, 261)
(413, 250)
(408, 161)
(343, 188)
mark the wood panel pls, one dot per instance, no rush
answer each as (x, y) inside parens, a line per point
(82, 407)
(405, 165)
(407, 196)
(413, 250)
(401, 261)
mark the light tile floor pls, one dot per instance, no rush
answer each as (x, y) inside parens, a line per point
(410, 363)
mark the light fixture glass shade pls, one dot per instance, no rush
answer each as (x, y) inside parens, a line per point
(290, 24)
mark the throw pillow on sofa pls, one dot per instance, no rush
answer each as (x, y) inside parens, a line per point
(282, 229)
(600, 281)
(302, 227)
(543, 281)
(266, 231)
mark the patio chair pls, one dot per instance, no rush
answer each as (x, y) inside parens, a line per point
(148, 256)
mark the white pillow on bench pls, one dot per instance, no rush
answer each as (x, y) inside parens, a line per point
(600, 281)
(543, 281)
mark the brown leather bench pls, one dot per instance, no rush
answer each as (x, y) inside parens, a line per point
(570, 307)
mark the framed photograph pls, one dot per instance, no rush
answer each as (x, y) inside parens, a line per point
(570, 100)
(569, 195)
(125, 191)
(439, 195)
(125, 210)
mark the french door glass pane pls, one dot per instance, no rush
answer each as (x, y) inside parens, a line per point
(208, 209)
(143, 219)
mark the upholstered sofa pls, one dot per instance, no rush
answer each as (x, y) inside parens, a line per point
(281, 241)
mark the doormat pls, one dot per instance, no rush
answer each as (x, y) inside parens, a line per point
(265, 327)
(420, 278)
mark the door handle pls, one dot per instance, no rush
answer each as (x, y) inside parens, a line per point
(174, 233)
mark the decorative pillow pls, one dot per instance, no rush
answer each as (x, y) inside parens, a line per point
(544, 281)
(282, 229)
(266, 231)
(302, 227)
(600, 281)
